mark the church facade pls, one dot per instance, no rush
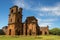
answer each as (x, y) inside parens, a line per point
(29, 27)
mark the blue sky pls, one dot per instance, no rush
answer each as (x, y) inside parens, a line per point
(46, 11)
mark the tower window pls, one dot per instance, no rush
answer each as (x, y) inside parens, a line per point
(11, 20)
(11, 11)
(18, 12)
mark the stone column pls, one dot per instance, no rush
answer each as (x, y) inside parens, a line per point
(43, 33)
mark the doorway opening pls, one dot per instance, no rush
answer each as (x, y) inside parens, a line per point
(10, 32)
(30, 32)
(45, 33)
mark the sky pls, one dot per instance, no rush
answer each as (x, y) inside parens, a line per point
(47, 12)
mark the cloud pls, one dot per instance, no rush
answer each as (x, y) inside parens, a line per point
(21, 3)
(52, 10)
(45, 22)
(49, 10)
(41, 14)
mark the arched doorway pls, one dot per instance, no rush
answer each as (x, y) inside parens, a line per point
(10, 32)
(45, 33)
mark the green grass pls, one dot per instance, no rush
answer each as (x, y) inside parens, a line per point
(46, 37)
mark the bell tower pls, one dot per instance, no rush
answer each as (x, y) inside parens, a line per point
(15, 21)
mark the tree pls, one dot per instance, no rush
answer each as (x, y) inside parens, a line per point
(55, 31)
(1, 32)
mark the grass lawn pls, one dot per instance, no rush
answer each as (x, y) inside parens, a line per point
(46, 37)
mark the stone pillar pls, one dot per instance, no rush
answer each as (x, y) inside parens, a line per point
(24, 29)
(28, 32)
(47, 32)
(43, 33)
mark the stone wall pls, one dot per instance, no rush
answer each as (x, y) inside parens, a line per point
(44, 30)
